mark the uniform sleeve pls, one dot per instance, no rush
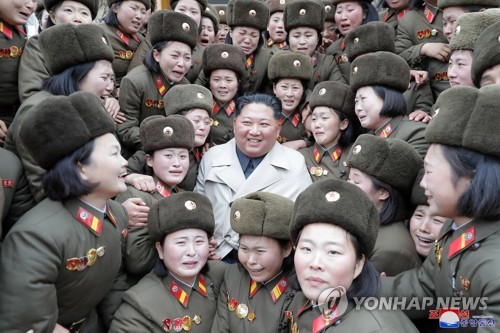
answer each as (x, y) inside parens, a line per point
(136, 162)
(395, 261)
(32, 170)
(201, 80)
(221, 320)
(404, 45)
(140, 54)
(32, 70)
(335, 73)
(131, 316)
(420, 99)
(141, 254)
(130, 104)
(22, 201)
(29, 264)
(417, 140)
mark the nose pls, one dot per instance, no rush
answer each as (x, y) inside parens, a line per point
(423, 182)
(31, 4)
(190, 251)
(175, 161)
(254, 129)
(316, 262)
(452, 73)
(424, 226)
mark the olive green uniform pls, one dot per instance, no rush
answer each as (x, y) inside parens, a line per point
(414, 30)
(153, 304)
(246, 307)
(409, 131)
(323, 164)
(463, 263)
(291, 128)
(391, 17)
(302, 314)
(17, 198)
(337, 50)
(275, 47)
(57, 263)
(124, 47)
(32, 70)
(420, 99)
(221, 130)
(394, 250)
(325, 68)
(140, 97)
(12, 42)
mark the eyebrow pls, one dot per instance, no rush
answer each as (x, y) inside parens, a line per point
(325, 243)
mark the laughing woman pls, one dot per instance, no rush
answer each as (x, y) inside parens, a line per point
(173, 36)
(65, 253)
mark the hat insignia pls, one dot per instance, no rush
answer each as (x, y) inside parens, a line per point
(282, 2)
(436, 112)
(328, 8)
(224, 54)
(356, 149)
(252, 13)
(237, 215)
(190, 205)
(302, 12)
(297, 63)
(200, 95)
(104, 40)
(356, 40)
(355, 70)
(222, 13)
(168, 131)
(322, 91)
(186, 27)
(332, 196)
(457, 29)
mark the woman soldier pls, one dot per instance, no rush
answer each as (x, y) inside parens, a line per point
(13, 16)
(332, 125)
(32, 70)
(224, 67)
(304, 22)
(255, 291)
(209, 27)
(65, 253)
(349, 15)
(122, 25)
(181, 293)
(379, 80)
(276, 35)
(223, 27)
(290, 73)
(385, 169)
(173, 36)
(334, 228)
(78, 58)
(462, 176)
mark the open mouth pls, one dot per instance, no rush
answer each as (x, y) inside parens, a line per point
(426, 240)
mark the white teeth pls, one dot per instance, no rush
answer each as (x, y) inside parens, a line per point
(425, 240)
(253, 140)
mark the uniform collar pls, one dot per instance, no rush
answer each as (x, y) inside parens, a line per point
(183, 292)
(89, 216)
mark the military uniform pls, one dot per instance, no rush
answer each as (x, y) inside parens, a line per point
(402, 128)
(420, 99)
(221, 130)
(256, 68)
(304, 317)
(17, 198)
(391, 16)
(275, 46)
(32, 70)
(141, 95)
(417, 27)
(325, 68)
(337, 50)
(247, 306)
(292, 128)
(64, 257)
(12, 42)
(195, 69)
(323, 164)
(394, 250)
(124, 47)
(165, 304)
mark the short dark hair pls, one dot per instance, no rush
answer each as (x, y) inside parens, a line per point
(258, 98)
(63, 181)
(68, 81)
(481, 198)
(53, 9)
(371, 13)
(394, 101)
(149, 60)
(111, 19)
(393, 209)
(348, 135)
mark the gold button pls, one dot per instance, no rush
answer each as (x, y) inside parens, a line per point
(332, 196)
(252, 13)
(356, 40)
(297, 63)
(224, 55)
(356, 149)
(190, 205)
(200, 95)
(168, 131)
(322, 91)
(302, 12)
(186, 27)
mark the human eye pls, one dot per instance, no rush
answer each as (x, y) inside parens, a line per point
(305, 249)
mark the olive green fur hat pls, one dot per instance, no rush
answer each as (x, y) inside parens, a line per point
(380, 68)
(392, 161)
(179, 211)
(458, 3)
(467, 117)
(61, 124)
(290, 65)
(248, 13)
(304, 13)
(67, 45)
(146, 3)
(335, 95)
(211, 13)
(470, 26)
(167, 25)
(203, 3)
(223, 56)
(368, 38)
(185, 97)
(221, 11)
(159, 132)
(486, 52)
(262, 214)
(93, 5)
(340, 203)
(418, 196)
(277, 5)
(329, 10)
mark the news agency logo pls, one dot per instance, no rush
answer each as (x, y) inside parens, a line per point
(332, 303)
(457, 318)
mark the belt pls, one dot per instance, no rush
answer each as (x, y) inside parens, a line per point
(77, 326)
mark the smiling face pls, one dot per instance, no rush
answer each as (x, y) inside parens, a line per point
(348, 15)
(424, 229)
(262, 256)
(325, 257)
(303, 40)
(184, 253)
(130, 15)
(459, 68)
(256, 130)
(174, 60)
